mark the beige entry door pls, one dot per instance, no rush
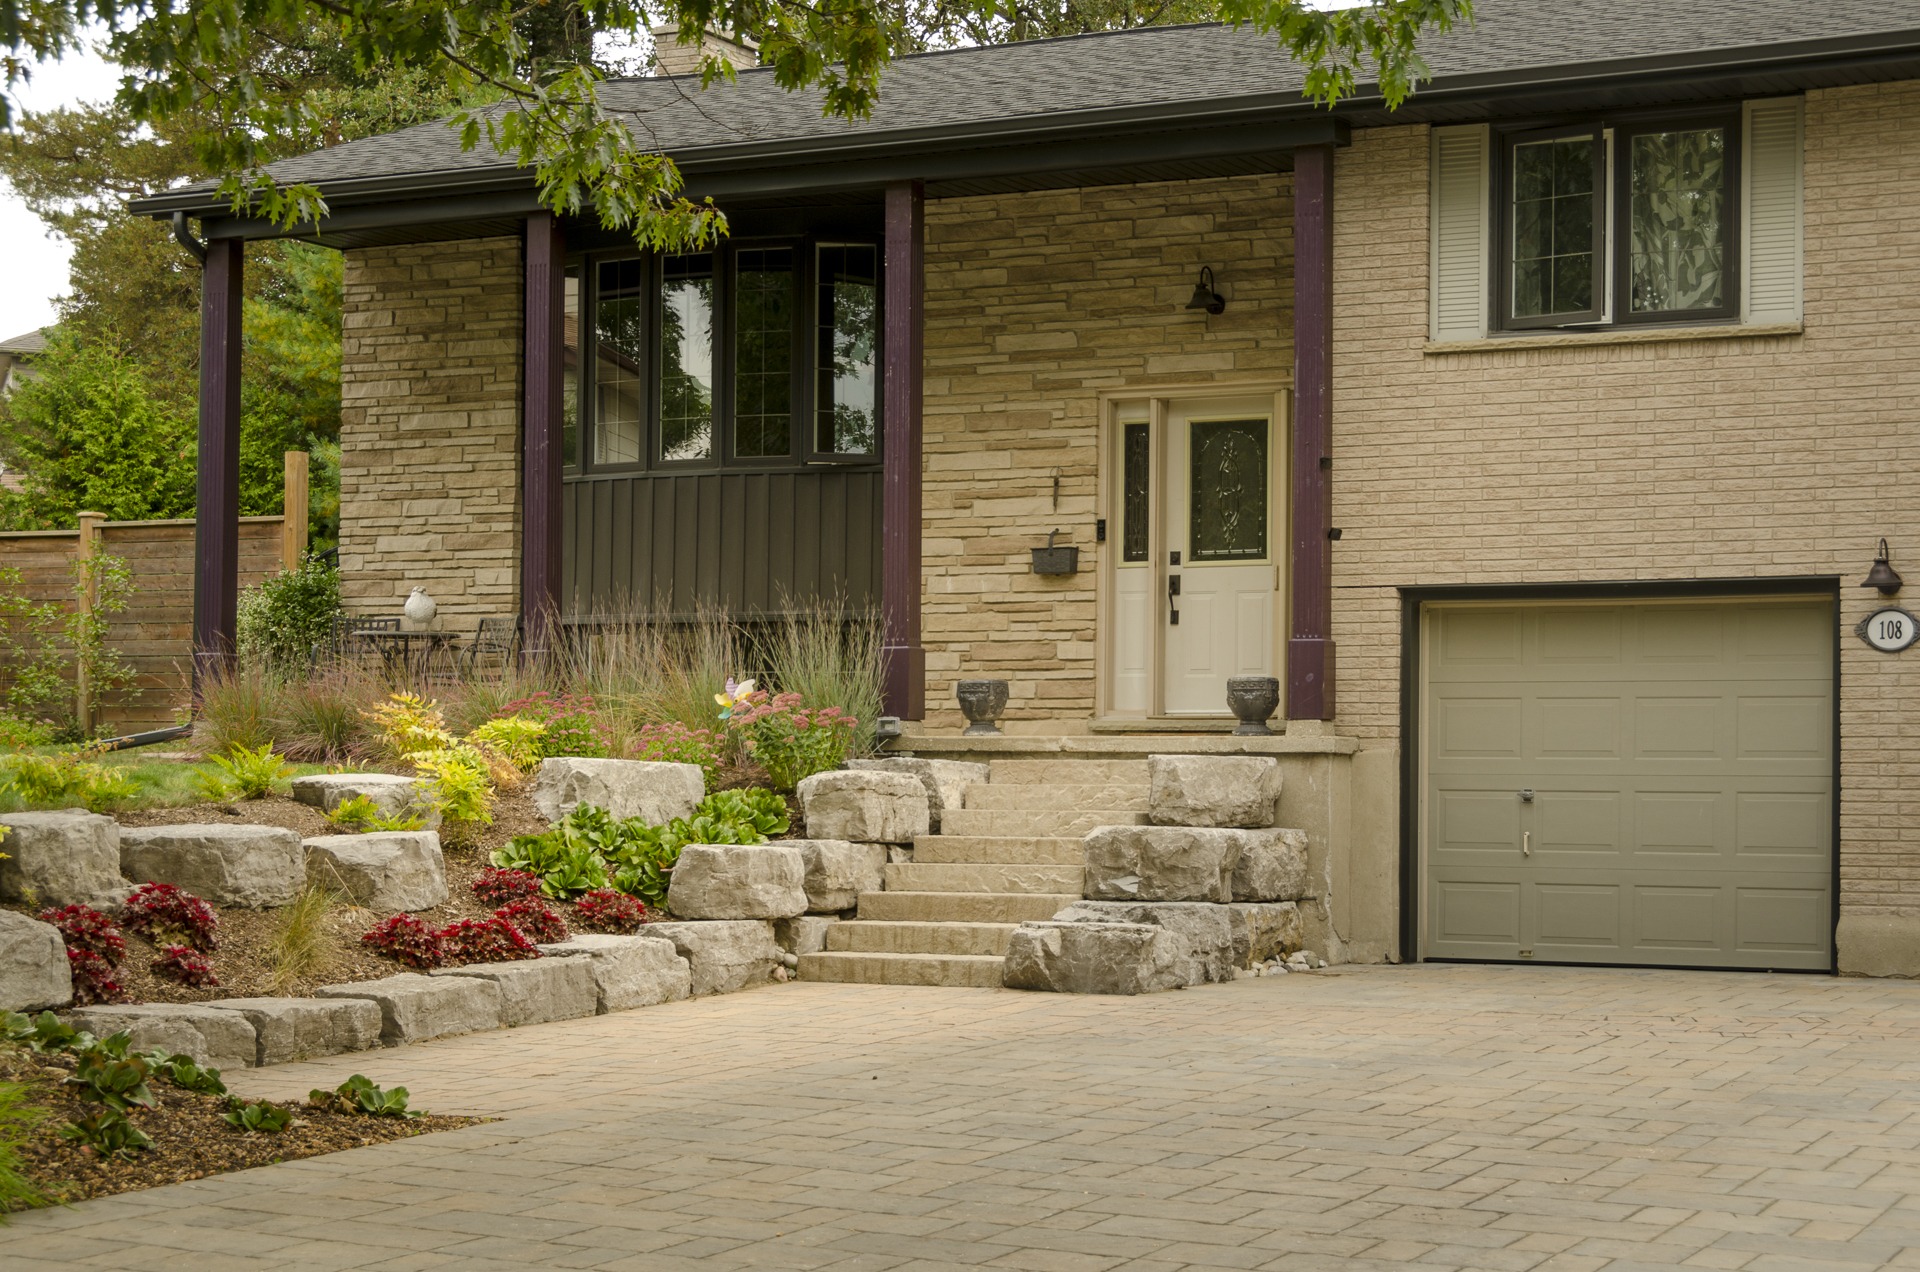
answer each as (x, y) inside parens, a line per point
(1646, 783)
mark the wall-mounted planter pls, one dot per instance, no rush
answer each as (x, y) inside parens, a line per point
(1052, 560)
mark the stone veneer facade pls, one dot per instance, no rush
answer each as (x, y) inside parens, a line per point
(430, 428)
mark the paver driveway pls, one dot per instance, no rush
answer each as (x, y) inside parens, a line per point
(1431, 1117)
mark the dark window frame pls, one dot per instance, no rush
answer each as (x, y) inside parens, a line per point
(1730, 215)
(1504, 236)
(810, 426)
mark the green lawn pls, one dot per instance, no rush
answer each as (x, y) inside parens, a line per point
(142, 784)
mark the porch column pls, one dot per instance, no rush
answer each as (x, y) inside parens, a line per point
(1310, 631)
(544, 385)
(905, 309)
(216, 534)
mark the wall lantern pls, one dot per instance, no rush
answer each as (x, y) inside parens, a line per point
(1204, 296)
(1882, 575)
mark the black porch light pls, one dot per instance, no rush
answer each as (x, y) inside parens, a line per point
(1204, 296)
(1882, 575)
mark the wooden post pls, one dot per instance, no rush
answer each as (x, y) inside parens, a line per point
(905, 685)
(216, 540)
(543, 416)
(86, 597)
(1310, 634)
(293, 513)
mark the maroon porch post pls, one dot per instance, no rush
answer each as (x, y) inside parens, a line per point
(1310, 633)
(545, 369)
(906, 659)
(216, 534)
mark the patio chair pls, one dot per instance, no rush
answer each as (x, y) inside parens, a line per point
(497, 636)
(339, 643)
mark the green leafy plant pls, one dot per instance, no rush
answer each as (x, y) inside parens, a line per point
(358, 1094)
(362, 816)
(299, 944)
(407, 725)
(20, 1116)
(184, 1072)
(252, 773)
(119, 1082)
(793, 743)
(108, 1133)
(63, 779)
(281, 620)
(23, 735)
(258, 1116)
(675, 743)
(568, 860)
(457, 787)
(45, 1033)
(520, 740)
(571, 724)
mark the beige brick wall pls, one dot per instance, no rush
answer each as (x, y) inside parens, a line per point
(430, 428)
(1036, 303)
(1743, 458)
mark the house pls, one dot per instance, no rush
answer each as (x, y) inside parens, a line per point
(1536, 436)
(16, 358)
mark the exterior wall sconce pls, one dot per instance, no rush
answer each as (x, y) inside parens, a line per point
(1204, 296)
(1882, 575)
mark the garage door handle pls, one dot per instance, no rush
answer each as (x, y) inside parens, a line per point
(1526, 843)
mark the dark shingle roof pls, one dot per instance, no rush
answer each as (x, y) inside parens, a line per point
(1151, 69)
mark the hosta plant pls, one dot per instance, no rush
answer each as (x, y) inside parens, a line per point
(165, 915)
(610, 911)
(488, 940)
(186, 965)
(45, 1033)
(406, 940)
(496, 886)
(358, 1094)
(258, 1115)
(185, 1073)
(107, 1133)
(537, 920)
(119, 1082)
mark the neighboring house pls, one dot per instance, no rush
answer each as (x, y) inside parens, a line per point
(1568, 404)
(16, 364)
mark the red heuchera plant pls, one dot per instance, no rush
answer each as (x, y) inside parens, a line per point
(538, 920)
(163, 913)
(489, 940)
(93, 980)
(87, 930)
(188, 966)
(495, 886)
(604, 910)
(407, 940)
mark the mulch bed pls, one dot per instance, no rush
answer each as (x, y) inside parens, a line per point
(190, 1139)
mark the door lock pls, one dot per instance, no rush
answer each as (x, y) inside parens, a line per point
(1526, 796)
(1173, 592)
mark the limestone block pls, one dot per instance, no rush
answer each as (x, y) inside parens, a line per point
(1213, 790)
(1094, 958)
(1272, 866)
(289, 1029)
(946, 781)
(221, 1039)
(387, 871)
(33, 965)
(655, 793)
(724, 955)
(865, 807)
(62, 858)
(837, 872)
(533, 991)
(628, 971)
(391, 794)
(256, 867)
(1202, 929)
(1263, 930)
(804, 935)
(414, 1008)
(1161, 863)
(738, 881)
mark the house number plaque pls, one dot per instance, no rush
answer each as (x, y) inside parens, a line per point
(1889, 630)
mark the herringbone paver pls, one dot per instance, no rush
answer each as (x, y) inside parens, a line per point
(1479, 1118)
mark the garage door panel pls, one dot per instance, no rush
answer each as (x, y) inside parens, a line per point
(1676, 919)
(1576, 823)
(1776, 634)
(1784, 726)
(1475, 820)
(1582, 727)
(1689, 634)
(1583, 916)
(1783, 825)
(1479, 638)
(1668, 727)
(1579, 636)
(1477, 912)
(1478, 727)
(1783, 921)
(1683, 825)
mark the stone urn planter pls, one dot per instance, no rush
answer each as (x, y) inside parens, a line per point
(1253, 699)
(982, 701)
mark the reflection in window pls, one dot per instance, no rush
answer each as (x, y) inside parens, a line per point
(686, 357)
(570, 371)
(619, 365)
(846, 414)
(1553, 226)
(1676, 210)
(1134, 469)
(1229, 475)
(763, 354)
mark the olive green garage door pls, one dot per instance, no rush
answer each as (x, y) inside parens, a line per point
(1644, 783)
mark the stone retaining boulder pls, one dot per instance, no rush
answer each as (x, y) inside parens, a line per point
(1264, 930)
(254, 867)
(655, 793)
(212, 1036)
(534, 991)
(62, 858)
(1213, 790)
(865, 807)
(33, 964)
(288, 1029)
(1272, 866)
(804, 935)
(1162, 863)
(1203, 930)
(415, 1008)
(627, 971)
(946, 781)
(1094, 958)
(837, 872)
(738, 881)
(391, 794)
(385, 871)
(723, 956)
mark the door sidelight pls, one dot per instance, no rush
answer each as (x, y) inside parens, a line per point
(1173, 593)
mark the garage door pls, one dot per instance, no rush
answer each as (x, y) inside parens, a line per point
(1645, 783)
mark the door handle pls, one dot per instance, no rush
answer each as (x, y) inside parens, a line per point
(1526, 843)
(1173, 592)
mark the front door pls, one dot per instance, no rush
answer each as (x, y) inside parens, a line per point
(1196, 582)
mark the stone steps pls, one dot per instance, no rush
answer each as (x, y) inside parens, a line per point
(1050, 771)
(984, 877)
(1006, 849)
(963, 907)
(958, 971)
(869, 936)
(1050, 823)
(1029, 796)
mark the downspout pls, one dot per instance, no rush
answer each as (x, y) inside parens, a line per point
(185, 238)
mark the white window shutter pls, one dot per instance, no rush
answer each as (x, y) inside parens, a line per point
(1772, 254)
(1459, 227)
